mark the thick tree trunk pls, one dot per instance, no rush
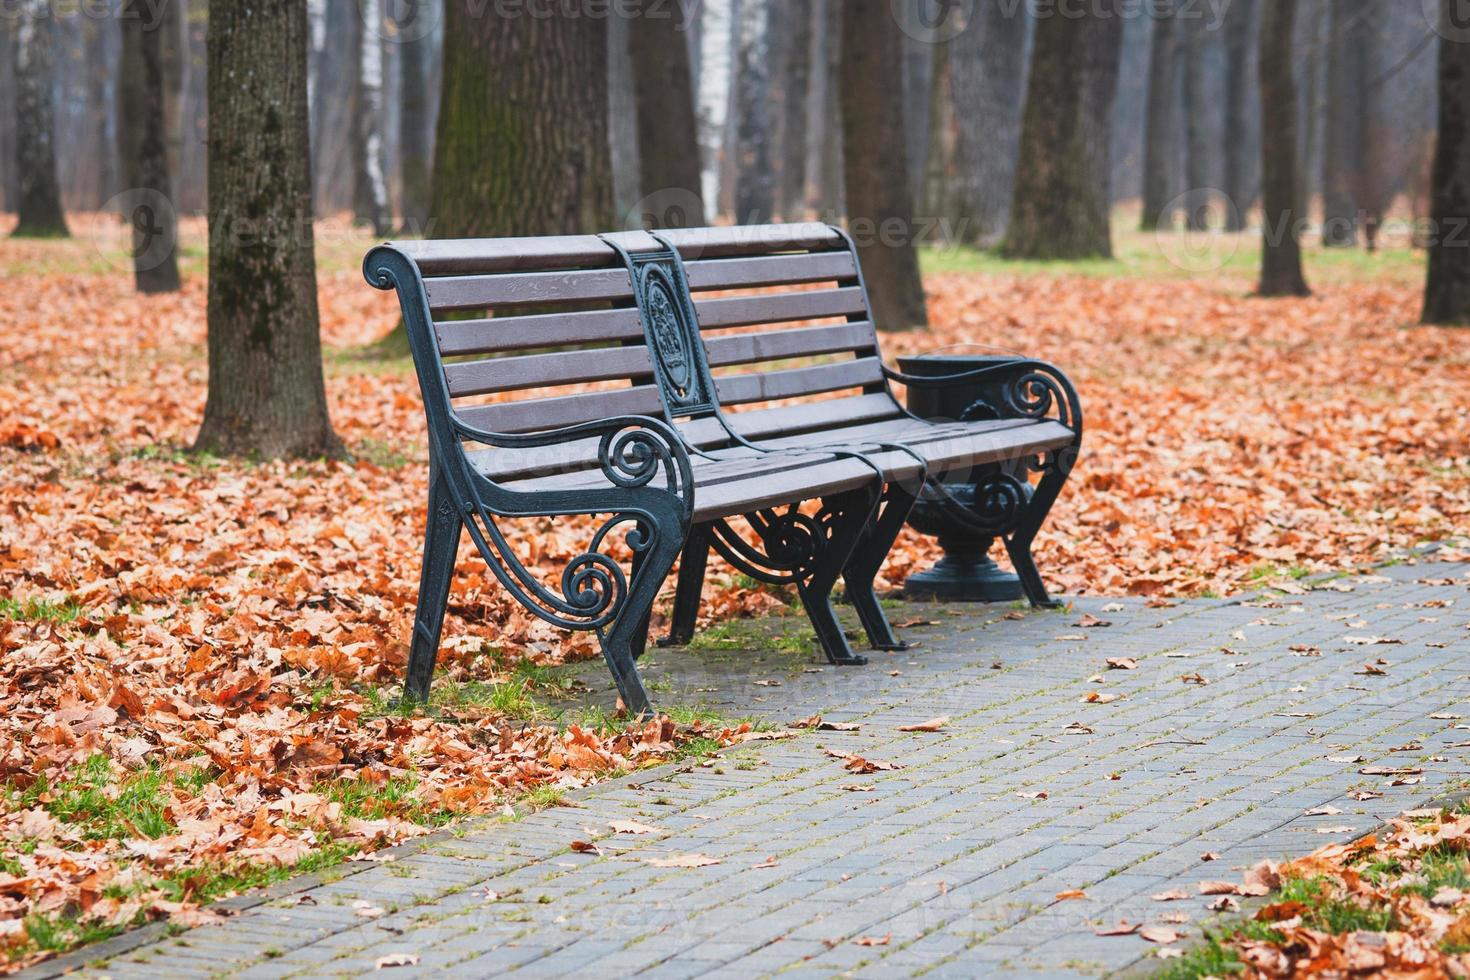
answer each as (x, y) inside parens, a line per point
(266, 392)
(1281, 257)
(1447, 288)
(668, 134)
(415, 19)
(796, 76)
(143, 148)
(369, 185)
(1062, 202)
(880, 202)
(1160, 126)
(1344, 159)
(987, 63)
(522, 145)
(35, 128)
(755, 178)
(1240, 38)
(334, 97)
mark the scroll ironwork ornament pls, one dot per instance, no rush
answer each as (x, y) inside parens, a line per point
(791, 544)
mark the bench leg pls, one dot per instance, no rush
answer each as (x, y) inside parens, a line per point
(623, 642)
(873, 548)
(850, 517)
(1018, 542)
(441, 542)
(691, 584)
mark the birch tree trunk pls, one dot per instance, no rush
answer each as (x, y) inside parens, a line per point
(369, 185)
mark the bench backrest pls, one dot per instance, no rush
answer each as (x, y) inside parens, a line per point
(524, 327)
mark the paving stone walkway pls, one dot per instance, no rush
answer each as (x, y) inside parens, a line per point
(952, 864)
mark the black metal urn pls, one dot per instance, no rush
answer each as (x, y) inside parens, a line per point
(966, 573)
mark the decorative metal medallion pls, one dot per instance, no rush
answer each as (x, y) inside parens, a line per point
(670, 330)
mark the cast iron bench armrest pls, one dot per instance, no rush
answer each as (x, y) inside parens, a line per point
(1037, 387)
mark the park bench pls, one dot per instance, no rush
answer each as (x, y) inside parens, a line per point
(702, 389)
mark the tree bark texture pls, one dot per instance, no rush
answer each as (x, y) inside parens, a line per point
(143, 147)
(1240, 121)
(1344, 150)
(35, 126)
(1281, 256)
(522, 140)
(369, 184)
(416, 131)
(266, 392)
(796, 82)
(1161, 123)
(1447, 287)
(987, 66)
(755, 178)
(1062, 202)
(880, 204)
(668, 133)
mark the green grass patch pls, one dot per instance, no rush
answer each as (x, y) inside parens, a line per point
(41, 610)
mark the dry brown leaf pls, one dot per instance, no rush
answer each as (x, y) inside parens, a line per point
(932, 725)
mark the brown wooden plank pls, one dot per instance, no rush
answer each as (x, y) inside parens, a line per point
(775, 270)
(750, 348)
(536, 414)
(544, 370)
(543, 330)
(783, 420)
(733, 240)
(527, 289)
(468, 256)
(740, 389)
(744, 311)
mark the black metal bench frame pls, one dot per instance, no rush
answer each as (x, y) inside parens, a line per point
(649, 482)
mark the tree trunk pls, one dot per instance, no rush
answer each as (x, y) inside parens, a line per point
(1062, 202)
(35, 128)
(1240, 37)
(755, 180)
(716, 33)
(369, 186)
(9, 189)
(880, 203)
(668, 134)
(266, 393)
(143, 146)
(1281, 256)
(622, 124)
(1343, 151)
(940, 193)
(827, 194)
(988, 84)
(415, 19)
(103, 109)
(1447, 288)
(1197, 149)
(334, 95)
(522, 145)
(1160, 128)
(796, 75)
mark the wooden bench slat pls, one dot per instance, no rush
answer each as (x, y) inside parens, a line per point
(491, 336)
(535, 414)
(744, 311)
(467, 256)
(527, 289)
(778, 345)
(731, 240)
(542, 370)
(773, 270)
(741, 389)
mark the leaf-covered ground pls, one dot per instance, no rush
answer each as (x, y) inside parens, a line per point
(199, 655)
